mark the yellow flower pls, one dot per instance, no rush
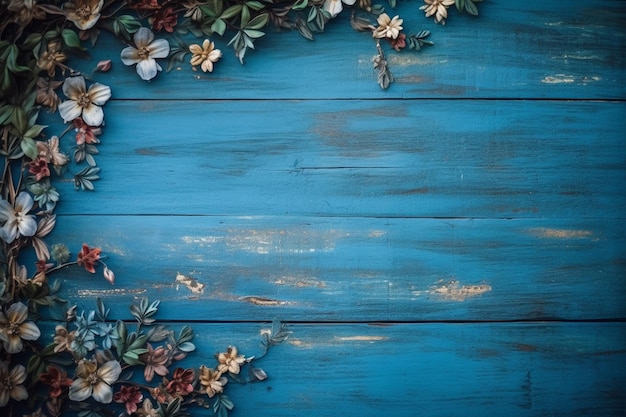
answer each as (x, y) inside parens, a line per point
(387, 27)
(95, 381)
(51, 58)
(212, 381)
(82, 102)
(439, 8)
(11, 383)
(205, 56)
(83, 13)
(14, 328)
(230, 361)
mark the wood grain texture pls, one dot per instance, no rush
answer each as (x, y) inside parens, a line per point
(349, 269)
(392, 158)
(485, 187)
(539, 49)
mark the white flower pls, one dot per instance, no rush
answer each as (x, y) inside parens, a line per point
(95, 381)
(147, 49)
(334, 7)
(82, 102)
(439, 8)
(16, 219)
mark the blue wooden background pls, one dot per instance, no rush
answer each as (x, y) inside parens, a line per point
(453, 246)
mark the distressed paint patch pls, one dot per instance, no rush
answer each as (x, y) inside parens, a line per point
(299, 282)
(192, 284)
(568, 79)
(109, 293)
(454, 291)
(361, 338)
(546, 232)
(262, 301)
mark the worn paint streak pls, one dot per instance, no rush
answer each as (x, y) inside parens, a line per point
(262, 301)
(454, 291)
(361, 338)
(299, 282)
(192, 284)
(560, 233)
(109, 293)
(568, 79)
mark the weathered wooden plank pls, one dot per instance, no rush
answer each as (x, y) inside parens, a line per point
(520, 369)
(349, 269)
(514, 49)
(359, 158)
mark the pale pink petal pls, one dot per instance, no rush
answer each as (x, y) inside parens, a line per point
(159, 49)
(69, 110)
(99, 93)
(93, 115)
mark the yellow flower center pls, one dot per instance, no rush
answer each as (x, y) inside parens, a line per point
(92, 379)
(143, 52)
(83, 11)
(83, 100)
(13, 328)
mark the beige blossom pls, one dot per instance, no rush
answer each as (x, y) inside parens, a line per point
(230, 361)
(205, 55)
(144, 52)
(388, 27)
(438, 8)
(83, 13)
(14, 328)
(212, 381)
(83, 102)
(93, 380)
(11, 383)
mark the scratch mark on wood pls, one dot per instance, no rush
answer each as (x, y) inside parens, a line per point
(452, 290)
(370, 339)
(109, 293)
(527, 392)
(299, 282)
(192, 284)
(560, 233)
(568, 79)
(262, 301)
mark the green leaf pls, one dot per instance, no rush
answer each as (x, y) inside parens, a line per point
(471, 8)
(258, 22)
(255, 5)
(219, 27)
(254, 34)
(245, 16)
(187, 347)
(19, 120)
(300, 4)
(29, 147)
(460, 5)
(231, 12)
(34, 131)
(70, 38)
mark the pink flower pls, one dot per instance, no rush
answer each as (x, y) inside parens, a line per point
(87, 257)
(129, 396)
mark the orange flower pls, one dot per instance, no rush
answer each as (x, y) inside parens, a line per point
(88, 257)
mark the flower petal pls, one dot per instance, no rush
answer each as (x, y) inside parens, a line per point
(6, 210)
(17, 313)
(18, 374)
(73, 87)
(159, 49)
(14, 344)
(27, 226)
(19, 393)
(334, 7)
(80, 390)
(99, 93)
(143, 37)
(93, 115)
(29, 331)
(24, 202)
(102, 393)
(147, 69)
(110, 372)
(69, 110)
(130, 56)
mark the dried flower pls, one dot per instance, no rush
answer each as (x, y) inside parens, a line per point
(399, 42)
(212, 381)
(39, 167)
(104, 66)
(144, 53)
(50, 152)
(57, 379)
(11, 383)
(46, 95)
(17, 221)
(181, 383)
(156, 361)
(147, 410)
(14, 328)
(387, 27)
(439, 8)
(83, 13)
(51, 58)
(63, 339)
(230, 361)
(60, 253)
(82, 102)
(205, 56)
(85, 133)
(26, 11)
(95, 381)
(88, 257)
(164, 19)
(334, 7)
(193, 10)
(109, 275)
(130, 396)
